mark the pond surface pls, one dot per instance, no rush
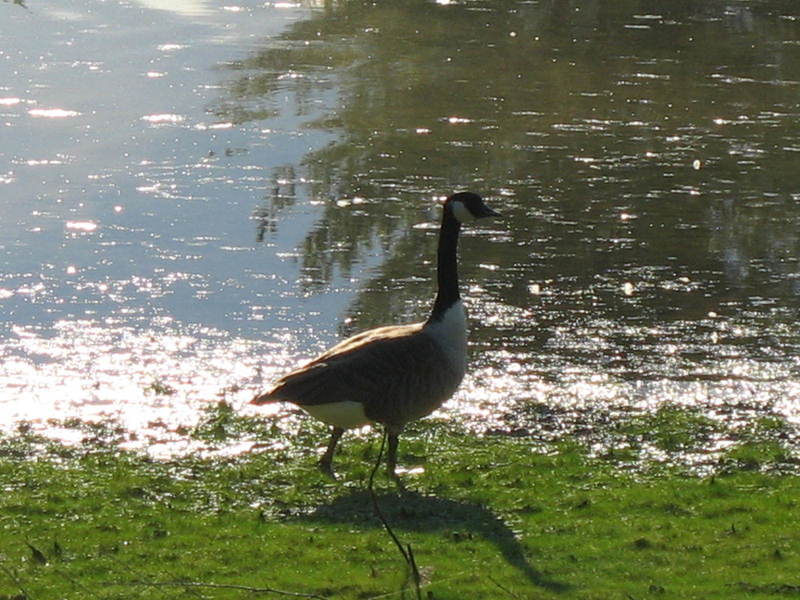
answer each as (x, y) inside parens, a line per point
(197, 196)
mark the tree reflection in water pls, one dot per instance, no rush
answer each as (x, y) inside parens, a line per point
(644, 153)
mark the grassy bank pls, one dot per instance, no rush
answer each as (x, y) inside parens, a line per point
(490, 517)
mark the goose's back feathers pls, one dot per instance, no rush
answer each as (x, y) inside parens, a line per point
(396, 373)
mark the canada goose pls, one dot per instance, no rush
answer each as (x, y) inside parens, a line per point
(396, 374)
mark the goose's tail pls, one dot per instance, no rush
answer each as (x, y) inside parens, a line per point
(265, 398)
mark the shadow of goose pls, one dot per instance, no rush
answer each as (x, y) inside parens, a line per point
(412, 511)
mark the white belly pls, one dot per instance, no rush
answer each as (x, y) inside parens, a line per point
(345, 414)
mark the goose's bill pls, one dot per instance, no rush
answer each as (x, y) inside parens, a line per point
(488, 212)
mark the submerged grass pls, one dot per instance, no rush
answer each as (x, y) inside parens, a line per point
(490, 517)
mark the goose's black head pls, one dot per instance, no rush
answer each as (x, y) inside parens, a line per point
(466, 206)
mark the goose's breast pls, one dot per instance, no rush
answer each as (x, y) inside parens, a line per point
(450, 334)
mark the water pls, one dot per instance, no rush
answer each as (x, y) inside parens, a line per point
(195, 200)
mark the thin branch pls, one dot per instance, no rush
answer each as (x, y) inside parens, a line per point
(407, 554)
(439, 581)
(219, 586)
(375, 504)
(414, 571)
(502, 587)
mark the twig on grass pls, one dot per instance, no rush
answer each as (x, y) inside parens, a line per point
(219, 586)
(406, 552)
(502, 587)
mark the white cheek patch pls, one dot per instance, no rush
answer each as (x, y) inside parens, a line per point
(461, 212)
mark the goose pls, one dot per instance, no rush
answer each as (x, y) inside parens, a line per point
(395, 374)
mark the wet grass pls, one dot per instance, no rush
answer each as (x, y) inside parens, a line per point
(490, 517)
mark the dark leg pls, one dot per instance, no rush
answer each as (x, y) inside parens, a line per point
(391, 459)
(325, 463)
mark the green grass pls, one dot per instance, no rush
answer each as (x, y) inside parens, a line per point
(490, 517)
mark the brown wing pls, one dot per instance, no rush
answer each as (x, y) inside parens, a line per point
(397, 373)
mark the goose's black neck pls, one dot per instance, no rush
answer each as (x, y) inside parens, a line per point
(446, 266)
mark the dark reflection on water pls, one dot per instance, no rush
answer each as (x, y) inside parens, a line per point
(644, 153)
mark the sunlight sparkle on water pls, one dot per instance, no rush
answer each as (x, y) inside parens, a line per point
(163, 118)
(52, 113)
(170, 47)
(87, 226)
(181, 7)
(151, 383)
